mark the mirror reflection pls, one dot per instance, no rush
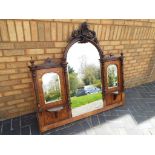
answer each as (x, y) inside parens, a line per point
(84, 78)
(112, 76)
(51, 87)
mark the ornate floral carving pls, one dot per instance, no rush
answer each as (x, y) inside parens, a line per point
(84, 34)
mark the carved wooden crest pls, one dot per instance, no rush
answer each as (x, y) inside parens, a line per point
(48, 63)
(84, 34)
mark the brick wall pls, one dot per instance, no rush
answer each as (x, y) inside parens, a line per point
(21, 39)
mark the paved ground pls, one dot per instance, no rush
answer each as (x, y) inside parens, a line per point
(87, 108)
(136, 117)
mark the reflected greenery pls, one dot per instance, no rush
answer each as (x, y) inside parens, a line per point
(73, 81)
(112, 76)
(51, 87)
(83, 100)
(91, 78)
(84, 74)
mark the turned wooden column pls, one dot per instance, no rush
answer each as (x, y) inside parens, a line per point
(102, 77)
(33, 72)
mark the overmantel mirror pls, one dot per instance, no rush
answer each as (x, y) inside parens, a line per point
(84, 83)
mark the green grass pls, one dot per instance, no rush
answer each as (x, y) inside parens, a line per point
(82, 100)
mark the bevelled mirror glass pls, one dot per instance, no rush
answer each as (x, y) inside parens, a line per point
(51, 87)
(112, 76)
(84, 75)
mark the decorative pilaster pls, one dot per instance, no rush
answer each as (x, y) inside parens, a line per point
(122, 69)
(103, 75)
(64, 65)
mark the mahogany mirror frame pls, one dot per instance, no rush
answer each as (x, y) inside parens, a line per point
(112, 97)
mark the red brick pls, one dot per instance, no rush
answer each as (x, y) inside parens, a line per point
(23, 58)
(53, 31)
(27, 80)
(47, 31)
(18, 76)
(58, 56)
(13, 92)
(7, 59)
(19, 29)
(2, 66)
(11, 30)
(59, 31)
(65, 31)
(43, 57)
(54, 50)
(27, 32)
(6, 45)
(94, 21)
(15, 102)
(60, 44)
(107, 21)
(8, 71)
(41, 31)
(4, 31)
(13, 52)
(16, 65)
(34, 51)
(107, 33)
(21, 86)
(34, 30)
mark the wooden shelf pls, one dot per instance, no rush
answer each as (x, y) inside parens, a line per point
(55, 109)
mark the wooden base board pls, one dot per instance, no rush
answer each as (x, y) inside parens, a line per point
(73, 119)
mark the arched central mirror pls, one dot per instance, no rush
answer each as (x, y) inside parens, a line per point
(84, 75)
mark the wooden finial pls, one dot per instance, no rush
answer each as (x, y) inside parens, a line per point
(32, 62)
